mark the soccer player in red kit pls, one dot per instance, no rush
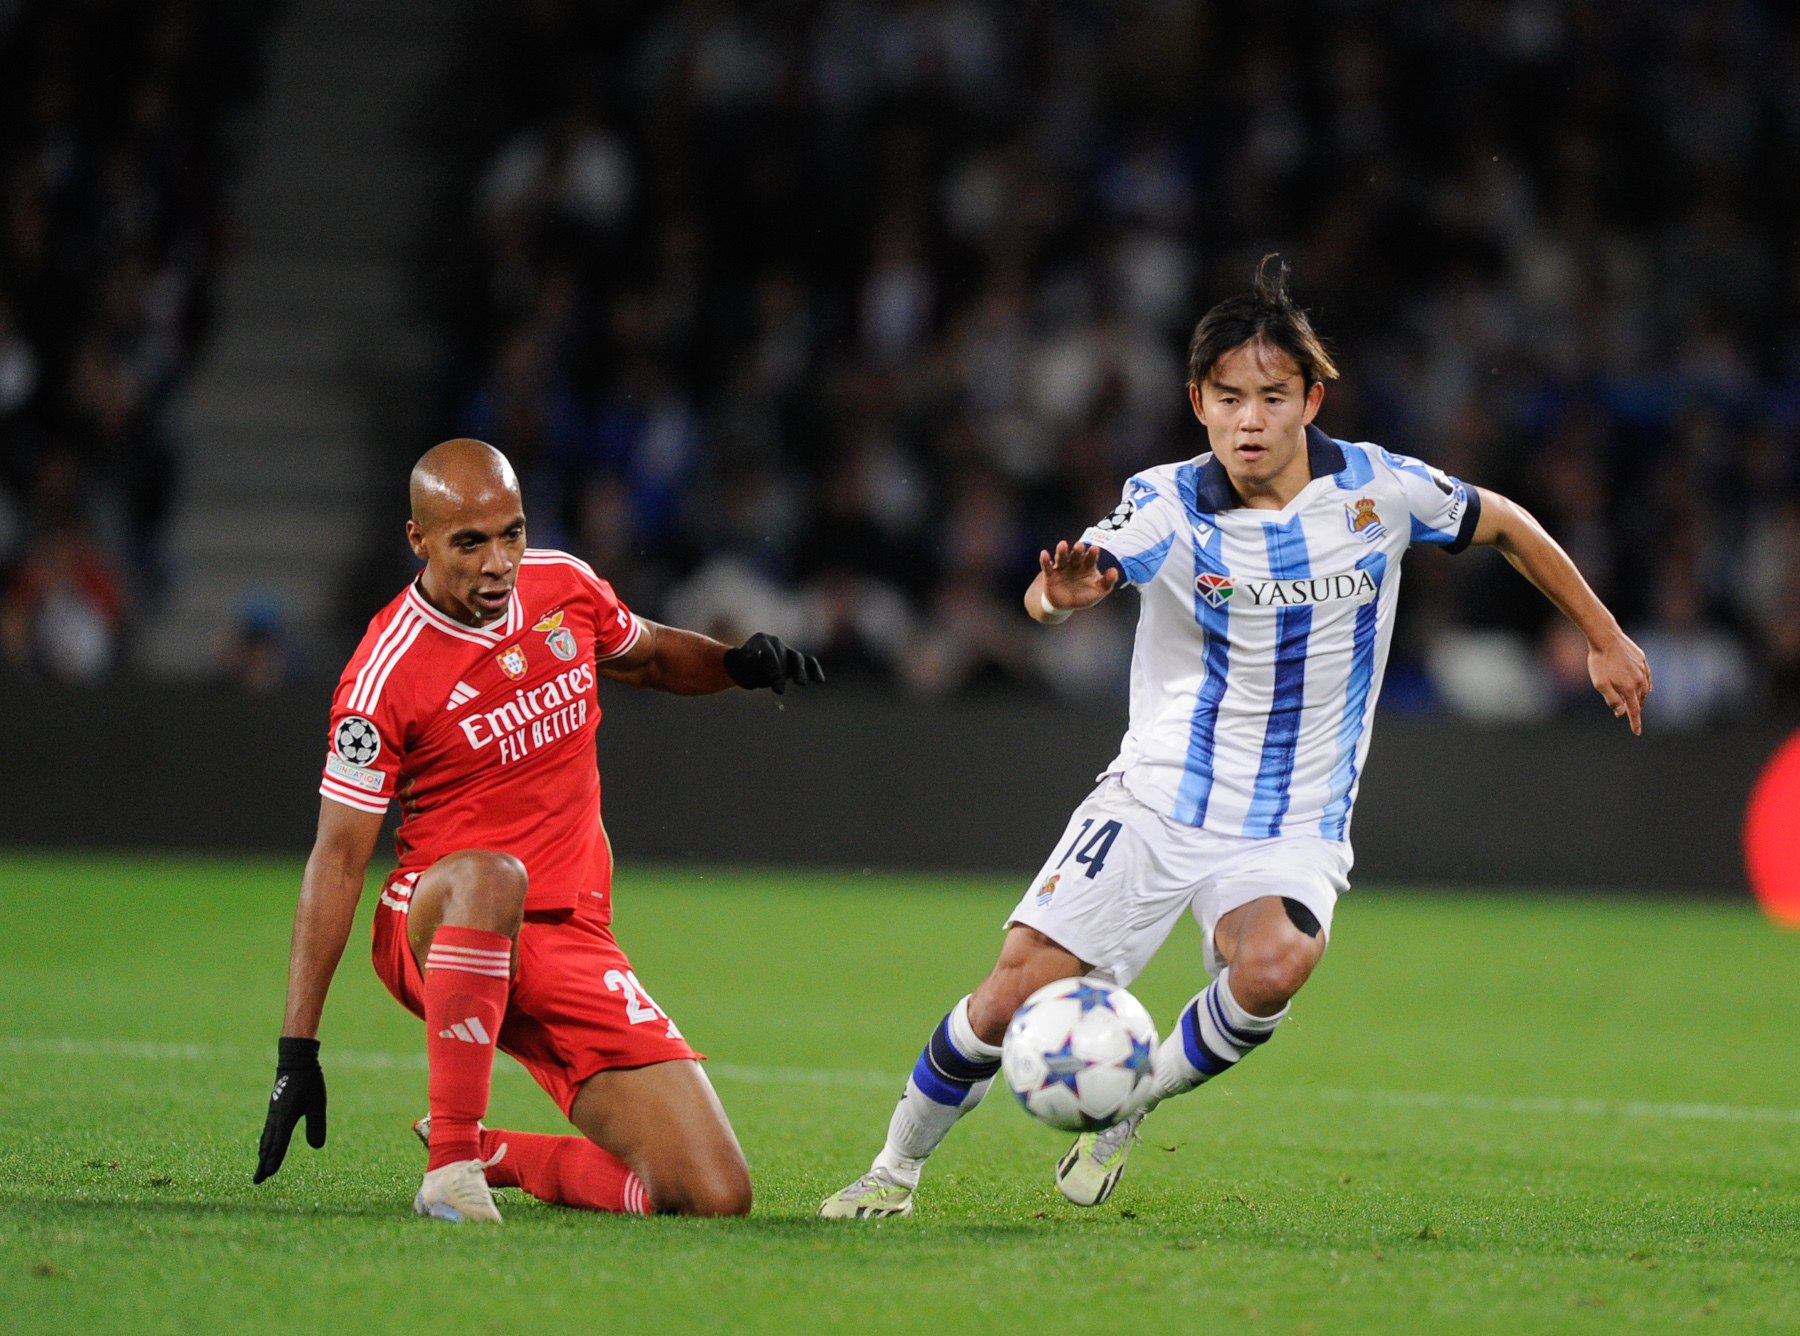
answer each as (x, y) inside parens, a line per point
(472, 700)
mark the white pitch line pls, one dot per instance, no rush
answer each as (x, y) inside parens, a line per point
(1554, 1104)
(1543, 1106)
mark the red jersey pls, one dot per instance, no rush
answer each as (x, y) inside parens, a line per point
(487, 735)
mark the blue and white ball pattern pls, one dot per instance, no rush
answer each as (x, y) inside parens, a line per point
(1078, 1054)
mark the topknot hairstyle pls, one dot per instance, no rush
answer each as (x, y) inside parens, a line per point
(1266, 314)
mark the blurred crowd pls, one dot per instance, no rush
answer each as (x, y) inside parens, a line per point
(113, 120)
(823, 318)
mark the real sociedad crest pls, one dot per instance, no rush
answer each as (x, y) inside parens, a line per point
(512, 661)
(1363, 520)
(1215, 589)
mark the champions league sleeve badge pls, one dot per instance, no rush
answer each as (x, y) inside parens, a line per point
(357, 740)
(1120, 517)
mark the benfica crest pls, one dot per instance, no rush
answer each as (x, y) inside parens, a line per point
(558, 637)
(512, 661)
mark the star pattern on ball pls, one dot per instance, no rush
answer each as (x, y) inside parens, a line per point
(1090, 997)
(1063, 1067)
(1140, 1055)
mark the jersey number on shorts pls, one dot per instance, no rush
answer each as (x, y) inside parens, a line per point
(639, 1005)
(1093, 853)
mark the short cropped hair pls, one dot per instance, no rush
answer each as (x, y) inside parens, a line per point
(1267, 314)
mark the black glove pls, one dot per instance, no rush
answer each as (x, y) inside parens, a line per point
(763, 661)
(299, 1090)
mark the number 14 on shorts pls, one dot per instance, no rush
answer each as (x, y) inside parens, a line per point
(1092, 854)
(640, 1007)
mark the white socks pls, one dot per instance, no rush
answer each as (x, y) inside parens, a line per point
(955, 1070)
(950, 1078)
(1212, 1033)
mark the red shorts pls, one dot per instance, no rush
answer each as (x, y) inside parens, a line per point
(575, 1008)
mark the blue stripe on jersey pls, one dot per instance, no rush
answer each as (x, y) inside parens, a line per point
(1288, 560)
(1142, 568)
(1358, 471)
(1356, 704)
(1424, 533)
(1197, 779)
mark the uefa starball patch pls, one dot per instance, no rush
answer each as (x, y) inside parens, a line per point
(357, 740)
(1120, 517)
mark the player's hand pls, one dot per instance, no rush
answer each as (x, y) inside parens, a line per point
(1621, 674)
(299, 1092)
(1073, 578)
(763, 661)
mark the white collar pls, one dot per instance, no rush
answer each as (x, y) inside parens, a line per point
(492, 634)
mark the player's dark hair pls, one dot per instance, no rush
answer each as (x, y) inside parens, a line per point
(1267, 314)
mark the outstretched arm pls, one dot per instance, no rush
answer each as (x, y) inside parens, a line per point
(322, 920)
(1067, 579)
(1616, 666)
(329, 892)
(686, 663)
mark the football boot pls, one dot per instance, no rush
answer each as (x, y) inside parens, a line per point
(876, 1195)
(1091, 1170)
(459, 1193)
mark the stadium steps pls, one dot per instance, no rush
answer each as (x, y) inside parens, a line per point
(316, 348)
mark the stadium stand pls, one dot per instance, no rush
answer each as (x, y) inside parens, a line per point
(117, 135)
(822, 317)
(307, 378)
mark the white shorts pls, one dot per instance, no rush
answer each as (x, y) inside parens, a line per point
(1116, 884)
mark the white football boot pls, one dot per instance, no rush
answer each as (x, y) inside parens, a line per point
(876, 1195)
(458, 1192)
(1093, 1166)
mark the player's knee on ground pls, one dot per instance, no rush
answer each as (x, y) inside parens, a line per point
(481, 883)
(1271, 965)
(724, 1191)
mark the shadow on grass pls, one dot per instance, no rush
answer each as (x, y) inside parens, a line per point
(520, 1210)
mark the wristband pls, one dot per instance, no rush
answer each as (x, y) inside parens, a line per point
(1052, 613)
(299, 1055)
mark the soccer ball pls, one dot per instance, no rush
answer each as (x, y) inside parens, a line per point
(1077, 1054)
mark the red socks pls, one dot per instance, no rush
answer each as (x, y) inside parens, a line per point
(467, 974)
(570, 1171)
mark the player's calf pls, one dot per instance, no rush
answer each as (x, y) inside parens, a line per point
(952, 1075)
(1272, 946)
(1028, 960)
(666, 1123)
(461, 924)
(958, 1063)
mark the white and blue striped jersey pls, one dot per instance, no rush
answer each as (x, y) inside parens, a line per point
(1264, 633)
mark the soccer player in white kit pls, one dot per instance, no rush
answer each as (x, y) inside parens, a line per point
(1269, 570)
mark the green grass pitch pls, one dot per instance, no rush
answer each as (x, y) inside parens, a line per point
(1487, 1114)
